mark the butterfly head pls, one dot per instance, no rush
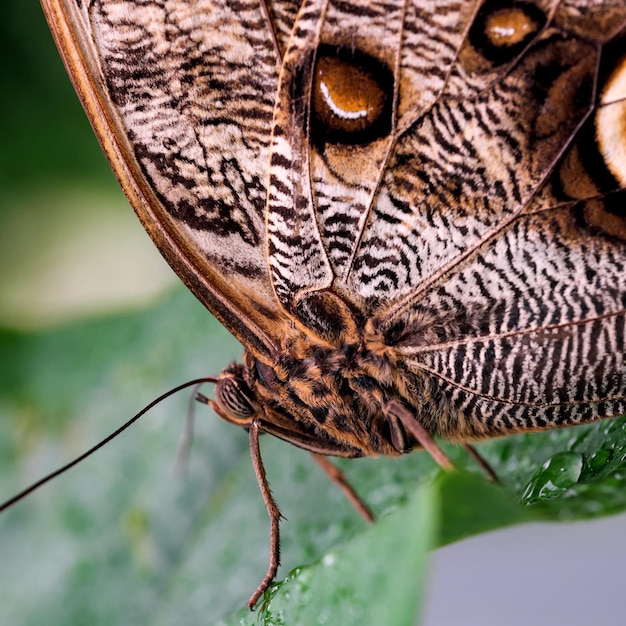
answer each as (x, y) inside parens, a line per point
(328, 401)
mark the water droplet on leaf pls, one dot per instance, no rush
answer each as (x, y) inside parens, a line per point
(554, 477)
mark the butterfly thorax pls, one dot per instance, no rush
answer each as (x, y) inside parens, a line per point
(327, 390)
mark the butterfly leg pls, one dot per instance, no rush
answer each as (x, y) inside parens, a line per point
(422, 436)
(272, 511)
(339, 478)
(481, 462)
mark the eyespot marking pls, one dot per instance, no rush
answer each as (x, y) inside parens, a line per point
(611, 122)
(351, 98)
(500, 32)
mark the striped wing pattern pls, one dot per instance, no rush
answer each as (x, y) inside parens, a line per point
(173, 81)
(481, 233)
(496, 236)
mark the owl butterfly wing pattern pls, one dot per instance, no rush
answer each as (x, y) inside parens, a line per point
(485, 237)
(529, 320)
(181, 96)
(469, 210)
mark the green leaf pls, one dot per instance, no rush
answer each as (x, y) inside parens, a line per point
(471, 505)
(348, 586)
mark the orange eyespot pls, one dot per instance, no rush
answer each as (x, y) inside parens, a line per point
(509, 27)
(611, 122)
(351, 97)
(347, 98)
(503, 28)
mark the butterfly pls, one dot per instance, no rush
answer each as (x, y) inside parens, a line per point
(411, 214)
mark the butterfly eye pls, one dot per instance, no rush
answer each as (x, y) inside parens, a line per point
(502, 32)
(235, 398)
(351, 97)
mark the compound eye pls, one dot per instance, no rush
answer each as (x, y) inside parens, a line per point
(235, 398)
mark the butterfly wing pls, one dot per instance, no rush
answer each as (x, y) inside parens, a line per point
(528, 321)
(181, 97)
(470, 221)
(487, 235)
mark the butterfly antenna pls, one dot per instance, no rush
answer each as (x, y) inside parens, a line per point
(64, 468)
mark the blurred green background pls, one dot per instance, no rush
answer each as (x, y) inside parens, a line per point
(69, 246)
(93, 325)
